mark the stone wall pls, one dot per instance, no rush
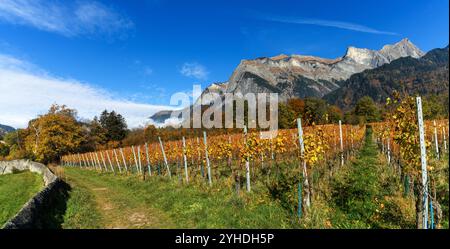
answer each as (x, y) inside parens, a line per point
(35, 213)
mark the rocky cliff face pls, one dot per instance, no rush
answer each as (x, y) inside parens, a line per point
(306, 76)
(427, 75)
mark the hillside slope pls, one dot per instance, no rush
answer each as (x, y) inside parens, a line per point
(424, 76)
(303, 76)
(5, 129)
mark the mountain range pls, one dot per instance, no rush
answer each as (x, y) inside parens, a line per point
(5, 129)
(424, 76)
(341, 81)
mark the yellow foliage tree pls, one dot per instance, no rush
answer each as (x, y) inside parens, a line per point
(54, 134)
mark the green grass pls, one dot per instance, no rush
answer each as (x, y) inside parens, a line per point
(365, 193)
(81, 211)
(104, 200)
(15, 191)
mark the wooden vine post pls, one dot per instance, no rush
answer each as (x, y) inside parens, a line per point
(436, 143)
(117, 161)
(199, 156)
(103, 160)
(342, 143)
(444, 139)
(81, 161)
(164, 156)
(87, 161)
(98, 162)
(135, 159)
(93, 161)
(247, 161)
(388, 150)
(423, 159)
(207, 158)
(185, 160)
(110, 163)
(147, 156)
(140, 161)
(124, 161)
(303, 161)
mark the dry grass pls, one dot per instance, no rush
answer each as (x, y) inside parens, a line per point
(57, 170)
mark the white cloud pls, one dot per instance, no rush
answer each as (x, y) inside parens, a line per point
(170, 122)
(330, 23)
(65, 18)
(194, 70)
(26, 92)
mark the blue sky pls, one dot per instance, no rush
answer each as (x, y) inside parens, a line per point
(141, 52)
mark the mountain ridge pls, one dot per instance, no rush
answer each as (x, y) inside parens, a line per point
(5, 129)
(305, 75)
(425, 75)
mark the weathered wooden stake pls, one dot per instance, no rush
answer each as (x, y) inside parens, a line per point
(92, 160)
(85, 160)
(139, 160)
(199, 156)
(272, 156)
(103, 160)
(445, 139)
(388, 151)
(110, 163)
(185, 160)
(97, 162)
(305, 171)
(117, 161)
(247, 162)
(207, 158)
(148, 160)
(80, 160)
(100, 166)
(436, 142)
(423, 157)
(135, 160)
(164, 156)
(124, 161)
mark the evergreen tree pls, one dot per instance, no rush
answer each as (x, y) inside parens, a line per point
(114, 125)
(366, 110)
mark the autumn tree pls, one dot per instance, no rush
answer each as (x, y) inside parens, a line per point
(366, 110)
(53, 134)
(97, 134)
(334, 114)
(16, 143)
(297, 106)
(150, 133)
(4, 150)
(315, 111)
(286, 116)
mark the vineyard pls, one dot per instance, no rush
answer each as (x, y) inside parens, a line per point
(230, 159)
(305, 169)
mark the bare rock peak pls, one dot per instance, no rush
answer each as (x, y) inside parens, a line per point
(309, 76)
